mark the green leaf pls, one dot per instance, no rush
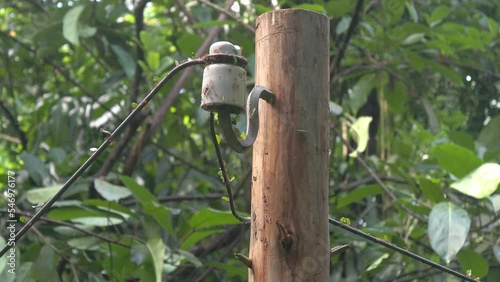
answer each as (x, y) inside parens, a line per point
(496, 252)
(414, 38)
(377, 262)
(360, 91)
(41, 195)
(109, 191)
(68, 213)
(261, 9)
(360, 134)
(142, 194)
(70, 24)
(495, 203)
(412, 11)
(462, 139)
(473, 263)
(438, 15)
(480, 183)
(125, 59)
(189, 43)
(35, 167)
(310, 7)
(109, 206)
(343, 25)
(358, 194)
(84, 243)
(393, 10)
(431, 189)
(455, 159)
(153, 59)
(210, 217)
(86, 31)
(99, 221)
(149, 203)
(490, 134)
(339, 8)
(157, 250)
(397, 97)
(191, 258)
(196, 236)
(43, 268)
(493, 25)
(447, 230)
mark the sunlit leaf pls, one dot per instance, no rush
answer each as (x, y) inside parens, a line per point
(70, 24)
(360, 134)
(480, 183)
(84, 243)
(41, 195)
(377, 262)
(157, 250)
(412, 11)
(191, 258)
(109, 191)
(447, 229)
(343, 25)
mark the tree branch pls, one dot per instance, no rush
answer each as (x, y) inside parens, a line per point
(367, 180)
(343, 46)
(139, 26)
(15, 125)
(229, 14)
(63, 72)
(377, 178)
(189, 16)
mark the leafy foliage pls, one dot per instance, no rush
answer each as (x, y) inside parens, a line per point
(152, 209)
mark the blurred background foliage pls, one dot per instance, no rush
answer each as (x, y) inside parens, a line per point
(153, 209)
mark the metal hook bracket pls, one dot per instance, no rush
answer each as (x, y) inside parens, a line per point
(224, 90)
(252, 111)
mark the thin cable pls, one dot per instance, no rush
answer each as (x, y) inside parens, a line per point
(224, 173)
(98, 152)
(400, 250)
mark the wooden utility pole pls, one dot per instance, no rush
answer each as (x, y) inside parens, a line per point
(289, 232)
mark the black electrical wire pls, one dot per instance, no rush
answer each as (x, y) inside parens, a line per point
(224, 173)
(98, 152)
(400, 250)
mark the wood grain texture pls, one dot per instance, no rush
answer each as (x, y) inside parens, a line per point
(290, 156)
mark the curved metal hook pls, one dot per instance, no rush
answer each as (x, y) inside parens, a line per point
(236, 143)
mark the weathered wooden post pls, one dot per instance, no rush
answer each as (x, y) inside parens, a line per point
(289, 232)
